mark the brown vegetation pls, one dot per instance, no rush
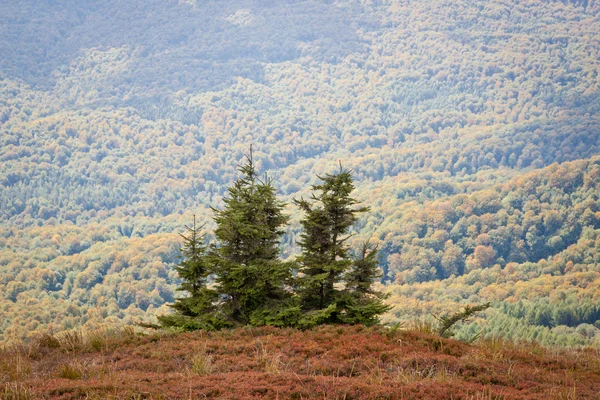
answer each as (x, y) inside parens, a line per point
(331, 362)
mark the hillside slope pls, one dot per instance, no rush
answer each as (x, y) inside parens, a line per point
(330, 362)
(120, 120)
(534, 239)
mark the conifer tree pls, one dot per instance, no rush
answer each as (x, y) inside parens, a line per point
(325, 256)
(363, 304)
(197, 310)
(251, 283)
(251, 278)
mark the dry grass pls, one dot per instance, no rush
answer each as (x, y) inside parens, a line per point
(413, 372)
(494, 348)
(202, 362)
(102, 338)
(564, 393)
(15, 365)
(71, 341)
(70, 371)
(270, 362)
(16, 391)
(486, 394)
(426, 326)
(328, 362)
(105, 338)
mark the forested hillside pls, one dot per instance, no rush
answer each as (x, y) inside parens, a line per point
(472, 129)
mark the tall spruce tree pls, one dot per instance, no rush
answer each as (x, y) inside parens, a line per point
(251, 279)
(362, 303)
(325, 256)
(196, 310)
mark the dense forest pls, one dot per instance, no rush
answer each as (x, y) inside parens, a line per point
(471, 128)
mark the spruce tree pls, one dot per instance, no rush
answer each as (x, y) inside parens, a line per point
(196, 310)
(251, 283)
(325, 257)
(362, 303)
(251, 279)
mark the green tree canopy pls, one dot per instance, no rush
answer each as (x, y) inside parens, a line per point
(325, 258)
(196, 310)
(251, 279)
(253, 286)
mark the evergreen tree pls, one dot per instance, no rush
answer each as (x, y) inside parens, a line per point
(325, 259)
(197, 310)
(363, 304)
(251, 278)
(252, 286)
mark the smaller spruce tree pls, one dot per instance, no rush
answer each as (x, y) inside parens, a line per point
(363, 304)
(196, 310)
(325, 256)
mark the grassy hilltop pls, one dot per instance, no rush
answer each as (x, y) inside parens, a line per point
(267, 363)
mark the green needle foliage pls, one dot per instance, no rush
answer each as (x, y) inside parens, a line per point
(251, 278)
(363, 303)
(325, 256)
(197, 310)
(193, 269)
(253, 286)
(448, 321)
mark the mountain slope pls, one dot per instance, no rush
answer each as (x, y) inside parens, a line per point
(120, 120)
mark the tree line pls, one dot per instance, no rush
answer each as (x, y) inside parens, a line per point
(240, 279)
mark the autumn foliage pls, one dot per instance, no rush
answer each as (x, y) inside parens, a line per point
(471, 128)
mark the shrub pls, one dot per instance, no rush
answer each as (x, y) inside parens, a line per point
(68, 371)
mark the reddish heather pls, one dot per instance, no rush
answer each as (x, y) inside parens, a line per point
(327, 363)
